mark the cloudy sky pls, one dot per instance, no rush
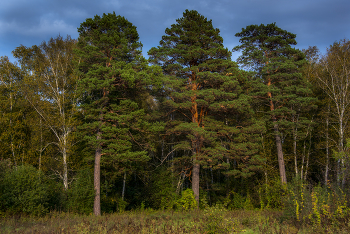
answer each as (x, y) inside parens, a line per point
(316, 22)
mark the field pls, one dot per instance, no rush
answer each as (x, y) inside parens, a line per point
(212, 220)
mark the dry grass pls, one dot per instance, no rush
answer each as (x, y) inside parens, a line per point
(208, 221)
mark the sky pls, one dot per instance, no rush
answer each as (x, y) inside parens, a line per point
(315, 22)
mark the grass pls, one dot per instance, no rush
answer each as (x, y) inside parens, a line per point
(212, 220)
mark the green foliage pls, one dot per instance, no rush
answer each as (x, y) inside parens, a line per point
(333, 78)
(215, 116)
(297, 200)
(57, 195)
(114, 78)
(236, 201)
(187, 201)
(5, 166)
(317, 205)
(209, 113)
(203, 200)
(114, 74)
(216, 221)
(278, 87)
(121, 205)
(49, 86)
(81, 194)
(25, 190)
(271, 195)
(163, 194)
(14, 114)
(113, 203)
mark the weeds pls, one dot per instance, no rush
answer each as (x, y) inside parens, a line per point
(317, 206)
(213, 221)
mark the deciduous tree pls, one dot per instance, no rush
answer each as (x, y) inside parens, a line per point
(333, 78)
(50, 88)
(14, 127)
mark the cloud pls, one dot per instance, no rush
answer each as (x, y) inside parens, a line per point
(45, 26)
(316, 22)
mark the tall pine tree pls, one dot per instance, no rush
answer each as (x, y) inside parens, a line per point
(279, 86)
(212, 117)
(114, 73)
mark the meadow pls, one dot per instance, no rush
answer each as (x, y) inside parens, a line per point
(211, 220)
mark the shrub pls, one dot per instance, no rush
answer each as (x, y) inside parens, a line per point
(315, 205)
(187, 200)
(56, 194)
(297, 202)
(25, 191)
(271, 195)
(216, 221)
(81, 194)
(162, 195)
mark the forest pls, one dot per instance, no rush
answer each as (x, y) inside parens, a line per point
(89, 125)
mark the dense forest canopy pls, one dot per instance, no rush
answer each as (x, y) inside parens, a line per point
(93, 125)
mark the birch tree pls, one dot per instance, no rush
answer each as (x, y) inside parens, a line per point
(50, 88)
(13, 125)
(334, 79)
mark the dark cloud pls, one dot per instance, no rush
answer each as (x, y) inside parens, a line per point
(316, 22)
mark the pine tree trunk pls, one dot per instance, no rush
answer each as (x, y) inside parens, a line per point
(97, 185)
(295, 132)
(195, 181)
(124, 180)
(280, 157)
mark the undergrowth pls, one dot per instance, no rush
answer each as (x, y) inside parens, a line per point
(211, 220)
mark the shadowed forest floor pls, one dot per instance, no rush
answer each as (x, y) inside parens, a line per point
(214, 220)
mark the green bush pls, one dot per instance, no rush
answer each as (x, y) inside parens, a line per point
(271, 195)
(297, 202)
(25, 190)
(81, 194)
(216, 221)
(57, 195)
(235, 201)
(5, 166)
(187, 200)
(162, 194)
(316, 205)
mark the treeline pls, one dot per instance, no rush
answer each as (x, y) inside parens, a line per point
(90, 124)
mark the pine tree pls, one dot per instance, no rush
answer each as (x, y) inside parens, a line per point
(114, 75)
(279, 86)
(211, 114)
